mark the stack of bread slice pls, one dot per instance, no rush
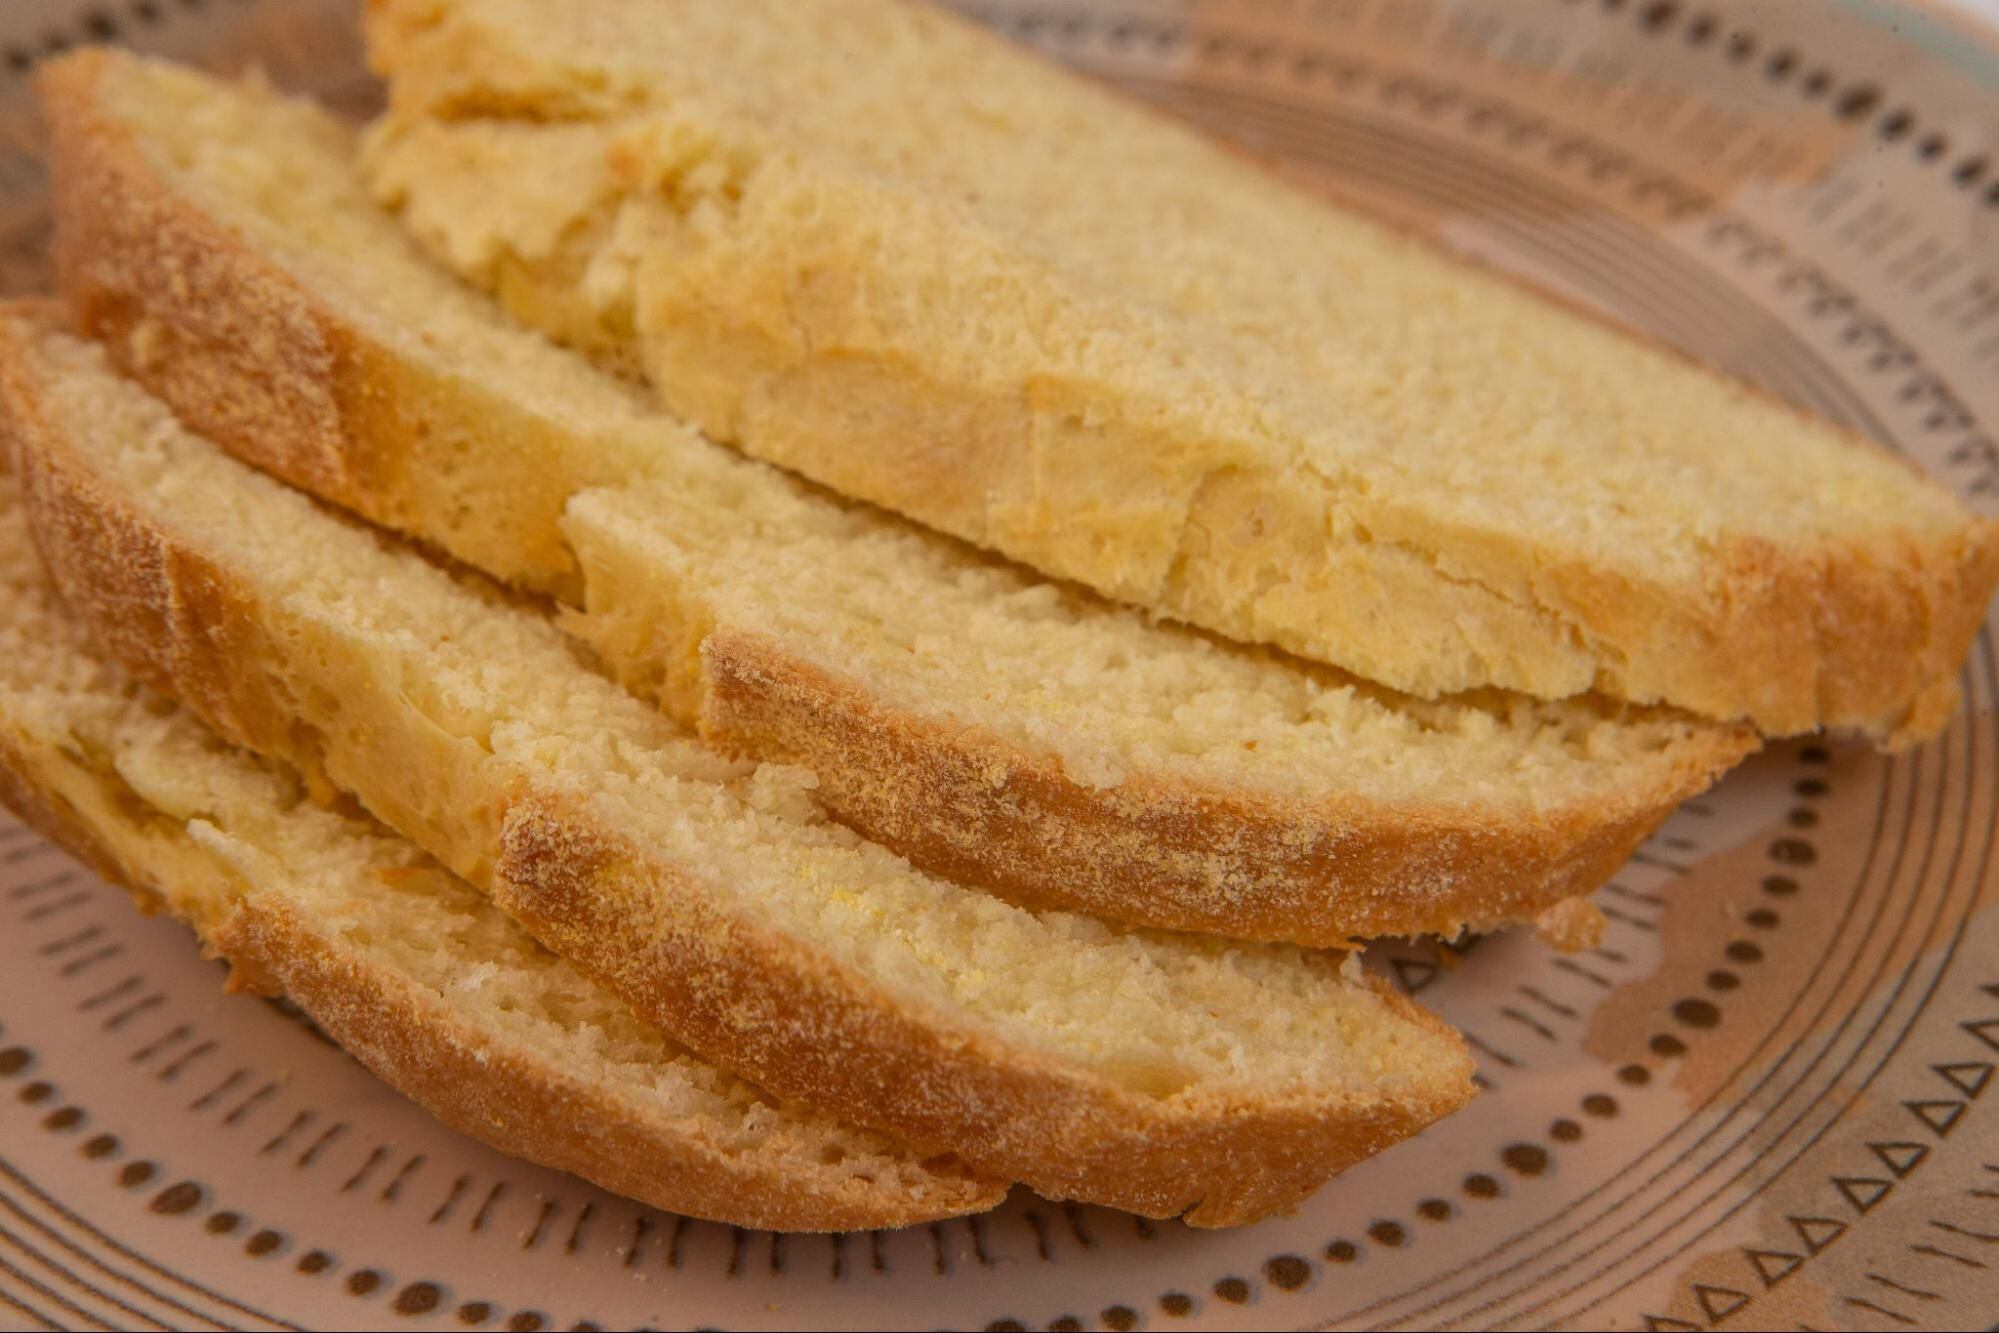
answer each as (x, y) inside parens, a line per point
(1010, 733)
(768, 856)
(406, 965)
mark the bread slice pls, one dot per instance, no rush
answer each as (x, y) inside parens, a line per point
(426, 982)
(1157, 1073)
(1002, 732)
(876, 245)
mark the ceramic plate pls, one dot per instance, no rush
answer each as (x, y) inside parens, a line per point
(1767, 1100)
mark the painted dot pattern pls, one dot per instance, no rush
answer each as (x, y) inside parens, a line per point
(180, 1197)
(185, 1198)
(418, 1298)
(1697, 1013)
(1287, 1272)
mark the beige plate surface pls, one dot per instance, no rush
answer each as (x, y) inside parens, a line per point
(1767, 1100)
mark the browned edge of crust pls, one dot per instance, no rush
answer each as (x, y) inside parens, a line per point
(786, 1019)
(164, 611)
(196, 314)
(525, 1107)
(238, 347)
(1161, 851)
(164, 286)
(763, 1004)
(1852, 636)
(476, 1085)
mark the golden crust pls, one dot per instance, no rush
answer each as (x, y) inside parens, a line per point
(1163, 851)
(256, 363)
(770, 1007)
(161, 609)
(482, 1087)
(786, 1019)
(524, 1106)
(252, 358)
